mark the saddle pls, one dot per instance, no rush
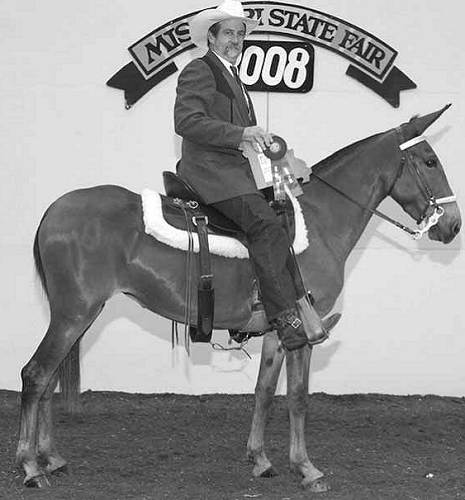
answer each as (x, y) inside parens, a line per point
(179, 190)
(184, 209)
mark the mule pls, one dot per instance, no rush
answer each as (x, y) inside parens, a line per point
(91, 245)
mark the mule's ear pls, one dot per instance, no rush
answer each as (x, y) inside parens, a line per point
(418, 124)
(424, 122)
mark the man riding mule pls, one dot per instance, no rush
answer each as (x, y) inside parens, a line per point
(91, 244)
(216, 119)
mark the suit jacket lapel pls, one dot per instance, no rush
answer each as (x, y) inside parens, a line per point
(237, 90)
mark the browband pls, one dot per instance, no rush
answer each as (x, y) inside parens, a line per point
(412, 142)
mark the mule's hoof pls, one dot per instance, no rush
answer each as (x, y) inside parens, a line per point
(264, 471)
(60, 471)
(270, 472)
(319, 485)
(37, 482)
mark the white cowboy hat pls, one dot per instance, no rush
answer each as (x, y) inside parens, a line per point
(204, 20)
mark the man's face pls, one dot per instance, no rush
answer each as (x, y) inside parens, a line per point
(229, 39)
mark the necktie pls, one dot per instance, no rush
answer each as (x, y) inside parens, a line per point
(244, 92)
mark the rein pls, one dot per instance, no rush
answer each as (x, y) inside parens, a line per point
(374, 211)
(425, 222)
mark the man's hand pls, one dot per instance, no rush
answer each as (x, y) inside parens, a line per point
(257, 137)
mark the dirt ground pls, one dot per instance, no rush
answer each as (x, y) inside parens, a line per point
(132, 446)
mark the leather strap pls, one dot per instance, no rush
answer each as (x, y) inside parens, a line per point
(205, 292)
(201, 221)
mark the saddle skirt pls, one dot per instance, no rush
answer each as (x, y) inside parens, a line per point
(159, 209)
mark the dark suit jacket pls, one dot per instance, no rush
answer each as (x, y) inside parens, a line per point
(210, 114)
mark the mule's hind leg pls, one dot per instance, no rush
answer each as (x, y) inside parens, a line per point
(48, 453)
(270, 367)
(297, 365)
(37, 375)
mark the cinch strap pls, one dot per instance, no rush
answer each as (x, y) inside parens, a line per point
(412, 142)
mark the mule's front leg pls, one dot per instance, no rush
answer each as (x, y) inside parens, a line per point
(297, 364)
(270, 366)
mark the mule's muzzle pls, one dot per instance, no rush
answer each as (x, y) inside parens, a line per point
(448, 226)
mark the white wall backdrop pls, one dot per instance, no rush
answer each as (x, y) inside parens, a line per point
(62, 128)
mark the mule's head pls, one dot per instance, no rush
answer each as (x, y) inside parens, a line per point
(421, 186)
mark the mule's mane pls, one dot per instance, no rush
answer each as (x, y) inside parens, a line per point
(345, 154)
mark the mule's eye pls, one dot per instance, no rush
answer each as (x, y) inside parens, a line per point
(431, 163)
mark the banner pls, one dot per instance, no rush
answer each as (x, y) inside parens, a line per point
(371, 59)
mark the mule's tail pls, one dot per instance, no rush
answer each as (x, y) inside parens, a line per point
(69, 369)
(38, 261)
(69, 373)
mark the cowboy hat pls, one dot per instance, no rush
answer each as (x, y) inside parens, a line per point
(204, 20)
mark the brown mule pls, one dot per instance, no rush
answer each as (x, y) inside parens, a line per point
(91, 245)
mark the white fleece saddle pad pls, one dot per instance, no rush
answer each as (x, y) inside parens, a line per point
(226, 246)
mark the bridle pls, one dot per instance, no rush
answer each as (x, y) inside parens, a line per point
(424, 221)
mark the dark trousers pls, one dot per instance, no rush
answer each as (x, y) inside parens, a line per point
(268, 245)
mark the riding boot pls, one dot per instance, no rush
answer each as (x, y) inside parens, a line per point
(290, 329)
(317, 330)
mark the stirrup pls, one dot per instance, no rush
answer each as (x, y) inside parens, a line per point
(328, 325)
